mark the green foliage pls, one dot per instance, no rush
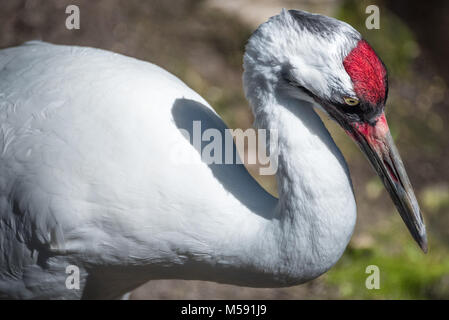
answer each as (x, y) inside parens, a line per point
(405, 272)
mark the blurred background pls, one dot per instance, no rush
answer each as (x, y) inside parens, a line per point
(202, 42)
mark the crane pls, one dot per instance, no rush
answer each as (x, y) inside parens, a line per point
(86, 180)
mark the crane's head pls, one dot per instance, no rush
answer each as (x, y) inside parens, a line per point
(326, 62)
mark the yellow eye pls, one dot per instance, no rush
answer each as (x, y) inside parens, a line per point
(351, 101)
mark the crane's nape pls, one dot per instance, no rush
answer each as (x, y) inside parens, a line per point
(328, 63)
(87, 178)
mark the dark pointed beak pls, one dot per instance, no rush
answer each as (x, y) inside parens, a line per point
(377, 144)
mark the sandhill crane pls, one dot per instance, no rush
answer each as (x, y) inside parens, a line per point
(85, 180)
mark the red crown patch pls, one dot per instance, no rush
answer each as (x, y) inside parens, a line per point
(367, 72)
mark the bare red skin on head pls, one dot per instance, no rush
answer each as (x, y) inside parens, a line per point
(369, 79)
(374, 135)
(367, 73)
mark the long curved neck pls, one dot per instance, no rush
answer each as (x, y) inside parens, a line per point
(311, 169)
(315, 214)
